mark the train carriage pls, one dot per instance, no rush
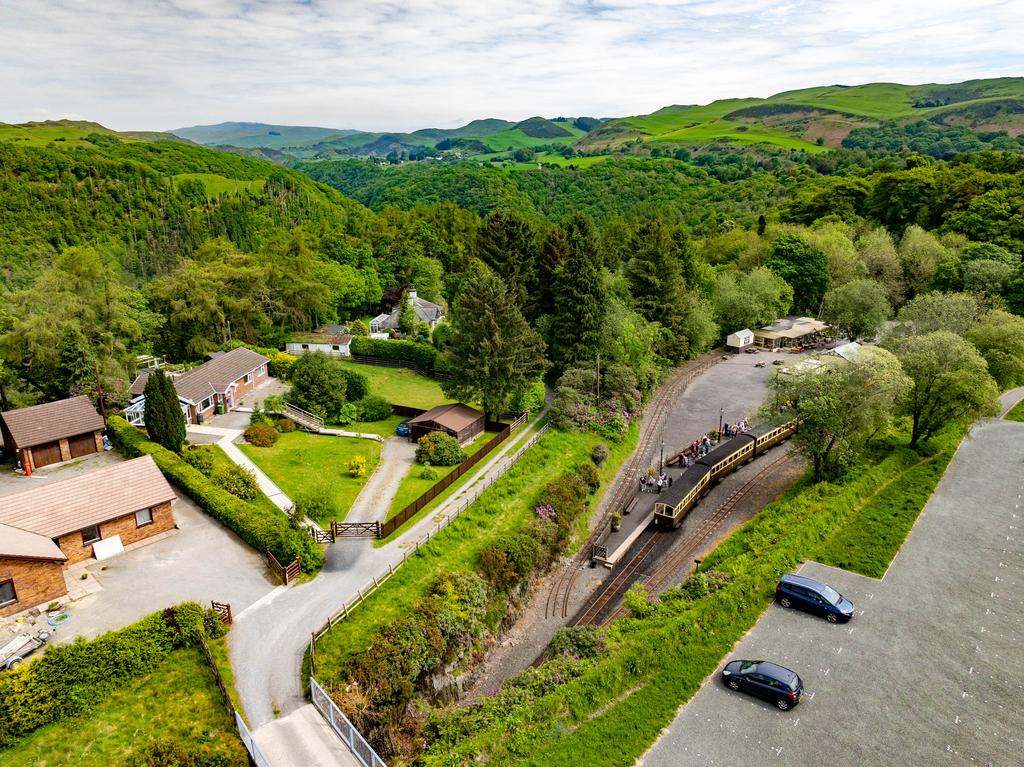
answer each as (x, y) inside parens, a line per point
(681, 497)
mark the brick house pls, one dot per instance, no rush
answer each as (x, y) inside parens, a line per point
(46, 434)
(215, 385)
(56, 525)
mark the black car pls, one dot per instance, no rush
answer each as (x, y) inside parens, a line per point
(765, 680)
(814, 597)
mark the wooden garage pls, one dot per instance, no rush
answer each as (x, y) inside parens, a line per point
(53, 432)
(461, 421)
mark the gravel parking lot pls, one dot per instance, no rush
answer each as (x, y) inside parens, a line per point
(931, 669)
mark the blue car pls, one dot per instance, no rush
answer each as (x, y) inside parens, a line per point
(814, 597)
(402, 430)
(764, 679)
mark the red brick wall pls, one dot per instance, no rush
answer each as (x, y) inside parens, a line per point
(163, 520)
(241, 388)
(35, 583)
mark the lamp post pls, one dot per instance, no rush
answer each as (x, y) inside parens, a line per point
(661, 465)
(721, 415)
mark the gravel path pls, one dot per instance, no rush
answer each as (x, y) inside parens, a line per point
(397, 455)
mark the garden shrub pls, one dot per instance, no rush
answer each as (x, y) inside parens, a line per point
(420, 354)
(588, 474)
(263, 528)
(281, 364)
(68, 679)
(427, 472)
(346, 414)
(357, 466)
(439, 449)
(357, 385)
(240, 482)
(261, 434)
(259, 415)
(373, 408)
(318, 385)
(577, 641)
(284, 425)
(507, 562)
(199, 457)
(599, 454)
(532, 399)
(274, 403)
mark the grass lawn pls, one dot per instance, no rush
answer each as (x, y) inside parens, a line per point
(413, 486)
(1017, 413)
(301, 464)
(385, 428)
(178, 701)
(400, 386)
(504, 508)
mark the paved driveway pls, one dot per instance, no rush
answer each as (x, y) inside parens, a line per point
(200, 561)
(931, 669)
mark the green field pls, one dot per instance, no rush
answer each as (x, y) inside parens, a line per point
(513, 138)
(413, 486)
(179, 701)
(401, 386)
(42, 133)
(303, 464)
(218, 185)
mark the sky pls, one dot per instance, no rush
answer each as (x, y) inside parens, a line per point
(158, 65)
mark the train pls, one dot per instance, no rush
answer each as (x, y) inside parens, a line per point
(686, 491)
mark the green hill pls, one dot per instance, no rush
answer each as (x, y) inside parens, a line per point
(817, 118)
(251, 135)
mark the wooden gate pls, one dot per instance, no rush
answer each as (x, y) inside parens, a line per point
(355, 529)
(223, 611)
(321, 536)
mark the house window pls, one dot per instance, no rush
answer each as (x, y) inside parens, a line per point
(335, 348)
(262, 370)
(206, 404)
(247, 378)
(143, 517)
(91, 534)
(305, 347)
(7, 594)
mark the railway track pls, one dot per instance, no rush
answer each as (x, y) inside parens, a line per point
(679, 559)
(557, 604)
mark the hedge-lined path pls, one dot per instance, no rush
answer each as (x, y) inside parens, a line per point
(227, 444)
(397, 456)
(268, 640)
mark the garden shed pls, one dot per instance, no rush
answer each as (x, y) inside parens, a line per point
(53, 432)
(740, 340)
(461, 421)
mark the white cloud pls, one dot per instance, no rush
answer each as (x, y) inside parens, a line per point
(138, 64)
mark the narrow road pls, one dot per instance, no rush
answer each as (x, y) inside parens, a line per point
(269, 638)
(397, 455)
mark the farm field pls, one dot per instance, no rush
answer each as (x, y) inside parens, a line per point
(401, 386)
(305, 465)
(217, 185)
(179, 702)
(413, 486)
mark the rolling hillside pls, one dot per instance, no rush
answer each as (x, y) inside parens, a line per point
(817, 118)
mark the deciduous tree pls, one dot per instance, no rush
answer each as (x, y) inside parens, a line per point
(804, 267)
(857, 309)
(318, 385)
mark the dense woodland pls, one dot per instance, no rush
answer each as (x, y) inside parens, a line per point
(114, 248)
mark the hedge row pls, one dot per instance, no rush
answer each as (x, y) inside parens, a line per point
(422, 355)
(263, 529)
(69, 679)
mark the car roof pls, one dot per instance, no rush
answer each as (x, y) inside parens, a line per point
(775, 671)
(801, 580)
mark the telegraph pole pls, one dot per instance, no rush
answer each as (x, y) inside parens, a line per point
(721, 415)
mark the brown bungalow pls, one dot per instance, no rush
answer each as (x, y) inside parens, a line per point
(45, 528)
(461, 421)
(56, 431)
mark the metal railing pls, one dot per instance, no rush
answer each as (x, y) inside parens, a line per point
(344, 729)
(250, 743)
(303, 417)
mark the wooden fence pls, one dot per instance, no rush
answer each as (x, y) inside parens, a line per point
(286, 573)
(376, 581)
(439, 487)
(321, 536)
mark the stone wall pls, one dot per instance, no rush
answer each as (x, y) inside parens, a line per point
(35, 583)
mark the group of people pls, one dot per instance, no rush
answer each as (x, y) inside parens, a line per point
(655, 483)
(698, 448)
(740, 427)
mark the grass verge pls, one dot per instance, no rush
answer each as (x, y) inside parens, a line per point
(500, 511)
(179, 701)
(303, 464)
(385, 428)
(1017, 413)
(612, 708)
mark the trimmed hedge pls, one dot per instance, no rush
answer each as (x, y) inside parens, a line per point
(422, 355)
(261, 528)
(69, 679)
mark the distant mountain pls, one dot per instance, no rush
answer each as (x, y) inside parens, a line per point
(817, 118)
(250, 135)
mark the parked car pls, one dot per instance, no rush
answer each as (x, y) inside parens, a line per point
(764, 679)
(814, 597)
(750, 350)
(402, 430)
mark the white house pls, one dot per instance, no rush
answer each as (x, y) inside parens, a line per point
(329, 339)
(740, 340)
(427, 312)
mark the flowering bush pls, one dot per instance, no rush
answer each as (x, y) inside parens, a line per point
(439, 449)
(546, 512)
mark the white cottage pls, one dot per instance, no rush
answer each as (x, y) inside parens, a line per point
(427, 312)
(329, 339)
(740, 340)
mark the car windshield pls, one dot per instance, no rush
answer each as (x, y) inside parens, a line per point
(831, 595)
(794, 683)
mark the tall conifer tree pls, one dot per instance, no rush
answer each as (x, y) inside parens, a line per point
(579, 294)
(164, 420)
